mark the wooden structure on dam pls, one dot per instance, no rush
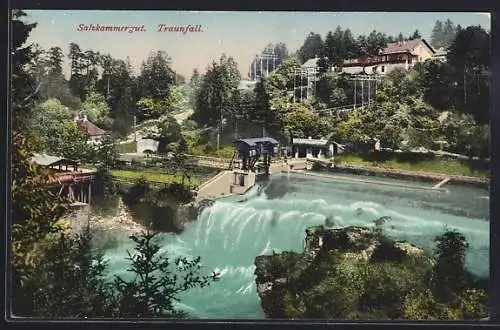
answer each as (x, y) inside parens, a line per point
(66, 179)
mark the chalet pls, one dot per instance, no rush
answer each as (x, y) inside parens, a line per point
(95, 133)
(403, 54)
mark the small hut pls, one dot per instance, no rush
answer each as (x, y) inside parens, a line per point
(315, 148)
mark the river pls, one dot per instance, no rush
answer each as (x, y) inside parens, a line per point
(235, 230)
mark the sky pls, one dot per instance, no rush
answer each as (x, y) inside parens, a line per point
(241, 35)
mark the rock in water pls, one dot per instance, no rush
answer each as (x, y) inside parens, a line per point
(382, 220)
(329, 222)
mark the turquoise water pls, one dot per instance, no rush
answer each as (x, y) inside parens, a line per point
(231, 233)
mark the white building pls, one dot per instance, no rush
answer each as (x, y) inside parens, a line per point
(403, 54)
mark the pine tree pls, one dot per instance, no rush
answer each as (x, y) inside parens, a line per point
(449, 276)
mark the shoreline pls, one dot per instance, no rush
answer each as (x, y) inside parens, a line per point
(412, 175)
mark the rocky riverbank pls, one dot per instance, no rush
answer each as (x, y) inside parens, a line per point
(120, 221)
(191, 211)
(123, 221)
(286, 281)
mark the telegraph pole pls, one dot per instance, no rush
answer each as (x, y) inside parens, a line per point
(301, 85)
(354, 93)
(369, 85)
(219, 131)
(294, 77)
(362, 94)
(465, 85)
(255, 69)
(267, 66)
(260, 57)
(135, 128)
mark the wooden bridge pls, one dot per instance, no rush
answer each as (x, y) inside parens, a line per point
(67, 179)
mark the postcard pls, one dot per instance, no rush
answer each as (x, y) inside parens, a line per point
(250, 165)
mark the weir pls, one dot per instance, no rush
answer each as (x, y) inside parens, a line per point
(437, 186)
(376, 182)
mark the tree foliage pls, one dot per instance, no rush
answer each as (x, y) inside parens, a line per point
(155, 285)
(339, 283)
(312, 47)
(96, 107)
(443, 34)
(156, 76)
(213, 97)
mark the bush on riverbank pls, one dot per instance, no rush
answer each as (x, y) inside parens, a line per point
(357, 273)
(126, 148)
(156, 176)
(157, 209)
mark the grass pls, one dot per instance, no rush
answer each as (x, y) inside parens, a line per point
(451, 167)
(225, 152)
(129, 147)
(157, 177)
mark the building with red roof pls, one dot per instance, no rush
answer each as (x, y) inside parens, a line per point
(95, 133)
(403, 54)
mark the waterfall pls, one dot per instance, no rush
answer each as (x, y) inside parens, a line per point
(231, 233)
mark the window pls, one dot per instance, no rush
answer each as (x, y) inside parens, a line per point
(382, 68)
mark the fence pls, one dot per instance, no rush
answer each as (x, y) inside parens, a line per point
(154, 184)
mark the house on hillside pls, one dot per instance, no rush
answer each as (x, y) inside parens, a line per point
(95, 133)
(441, 54)
(401, 54)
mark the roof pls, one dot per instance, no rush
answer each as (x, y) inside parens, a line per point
(130, 157)
(403, 47)
(311, 63)
(246, 84)
(441, 52)
(47, 160)
(90, 128)
(254, 141)
(312, 142)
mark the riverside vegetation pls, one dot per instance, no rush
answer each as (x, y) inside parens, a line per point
(358, 273)
(59, 273)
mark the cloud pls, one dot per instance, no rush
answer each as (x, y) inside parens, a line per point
(485, 14)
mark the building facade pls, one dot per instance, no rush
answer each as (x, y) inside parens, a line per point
(314, 148)
(404, 54)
